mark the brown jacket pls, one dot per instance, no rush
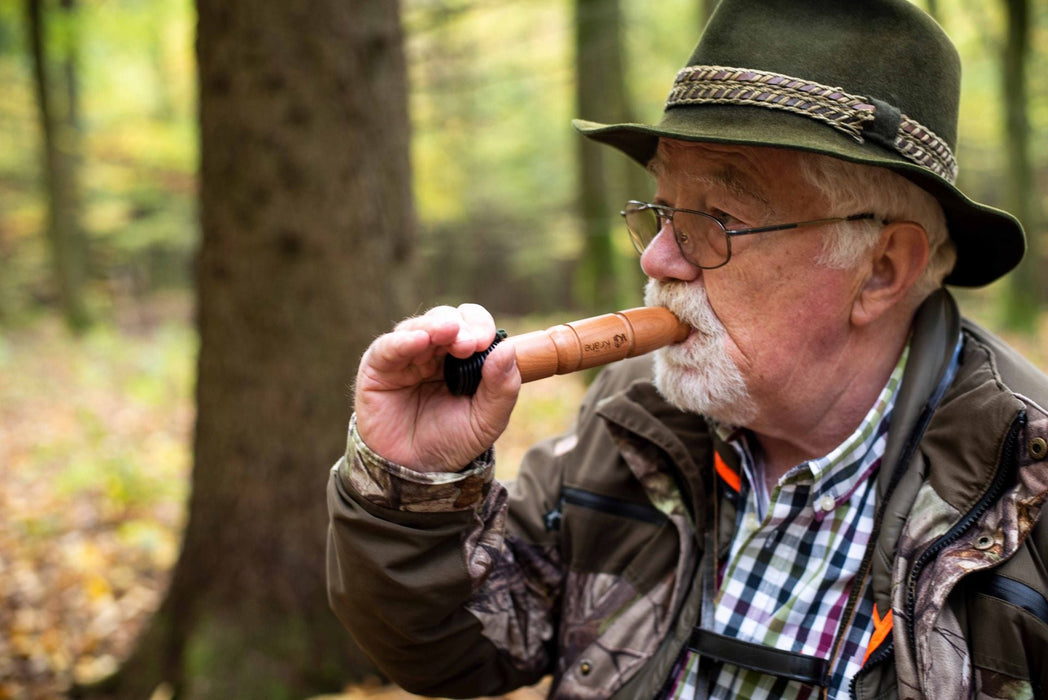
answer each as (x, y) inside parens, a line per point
(585, 566)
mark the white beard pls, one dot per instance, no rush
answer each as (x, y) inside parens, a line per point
(698, 374)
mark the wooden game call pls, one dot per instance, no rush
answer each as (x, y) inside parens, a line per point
(569, 347)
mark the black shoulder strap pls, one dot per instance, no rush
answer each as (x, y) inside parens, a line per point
(758, 657)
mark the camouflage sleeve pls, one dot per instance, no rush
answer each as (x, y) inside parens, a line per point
(425, 576)
(397, 487)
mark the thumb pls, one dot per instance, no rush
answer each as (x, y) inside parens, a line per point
(497, 392)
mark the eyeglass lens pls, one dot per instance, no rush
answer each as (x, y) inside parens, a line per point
(701, 238)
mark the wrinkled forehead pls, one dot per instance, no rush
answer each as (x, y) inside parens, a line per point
(745, 172)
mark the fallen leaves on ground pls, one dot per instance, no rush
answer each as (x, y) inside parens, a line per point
(94, 471)
(94, 459)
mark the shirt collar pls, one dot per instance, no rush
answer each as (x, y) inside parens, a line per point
(836, 475)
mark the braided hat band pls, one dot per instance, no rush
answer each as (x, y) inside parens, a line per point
(862, 118)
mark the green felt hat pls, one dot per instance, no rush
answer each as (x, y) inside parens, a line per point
(870, 81)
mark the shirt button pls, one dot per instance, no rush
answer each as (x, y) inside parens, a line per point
(750, 522)
(827, 502)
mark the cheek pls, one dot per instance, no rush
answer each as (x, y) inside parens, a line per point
(779, 319)
(746, 314)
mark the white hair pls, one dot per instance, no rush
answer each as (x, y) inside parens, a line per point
(852, 188)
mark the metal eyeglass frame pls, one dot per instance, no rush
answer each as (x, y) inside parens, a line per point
(664, 213)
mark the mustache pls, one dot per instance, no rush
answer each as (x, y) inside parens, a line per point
(688, 303)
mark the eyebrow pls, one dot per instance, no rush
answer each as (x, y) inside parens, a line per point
(728, 177)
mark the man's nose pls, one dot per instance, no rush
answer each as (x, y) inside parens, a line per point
(662, 259)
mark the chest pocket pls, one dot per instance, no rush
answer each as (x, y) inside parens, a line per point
(1008, 620)
(605, 534)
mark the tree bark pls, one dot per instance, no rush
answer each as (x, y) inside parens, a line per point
(307, 221)
(600, 94)
(60, 143)
(1025, 287)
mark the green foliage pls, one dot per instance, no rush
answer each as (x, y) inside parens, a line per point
(494, 155)
(135, 82)
(494, 150)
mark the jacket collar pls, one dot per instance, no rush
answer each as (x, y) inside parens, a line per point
(936, 411)
(934, 341)
(684, 438)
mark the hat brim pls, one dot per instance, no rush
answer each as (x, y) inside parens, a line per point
(989, 242)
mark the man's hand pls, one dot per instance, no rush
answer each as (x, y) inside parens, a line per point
(406, 414)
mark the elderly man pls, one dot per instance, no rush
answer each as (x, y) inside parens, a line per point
(833, 486)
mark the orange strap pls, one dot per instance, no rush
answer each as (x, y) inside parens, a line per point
(882, 627)
(724, 471)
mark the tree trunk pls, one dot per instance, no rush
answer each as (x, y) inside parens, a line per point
(307, 219)
(60, 143)
(1024, 289)
(600, 94)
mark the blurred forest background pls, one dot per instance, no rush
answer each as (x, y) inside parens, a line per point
(207, 210)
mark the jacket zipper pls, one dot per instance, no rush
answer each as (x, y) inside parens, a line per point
(605, 504)
(883, 653)
(1004, 473)
(887, 649)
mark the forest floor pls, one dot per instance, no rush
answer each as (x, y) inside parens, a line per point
(94, 473)
(94, 459)
(94, 469)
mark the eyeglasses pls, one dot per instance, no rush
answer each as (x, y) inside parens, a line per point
(703, 239)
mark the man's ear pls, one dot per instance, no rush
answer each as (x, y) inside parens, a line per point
(897, 262)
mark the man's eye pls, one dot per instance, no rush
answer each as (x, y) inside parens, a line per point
(724, 217)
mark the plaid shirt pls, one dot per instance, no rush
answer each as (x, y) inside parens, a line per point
(793, 561)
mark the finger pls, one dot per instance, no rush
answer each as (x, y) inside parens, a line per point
(397, 350)
(480, 322)
(442, 323)
(451, 328)
(497, 393)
